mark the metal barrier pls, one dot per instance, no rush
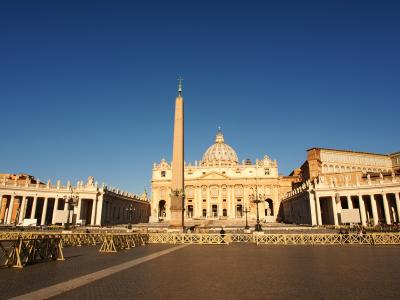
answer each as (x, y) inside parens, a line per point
(117, 242)
(329, 239)
(276, 239)
(20, 252)
(189, 238)
(111, 242)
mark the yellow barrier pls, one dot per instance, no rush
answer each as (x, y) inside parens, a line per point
(118, 241)
(111, 242)
(20, 252)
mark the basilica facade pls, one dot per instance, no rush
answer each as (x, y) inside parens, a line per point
(219, 186)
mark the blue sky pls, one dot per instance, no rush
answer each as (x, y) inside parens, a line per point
(88, 87)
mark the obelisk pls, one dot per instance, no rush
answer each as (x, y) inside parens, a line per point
(177, 184)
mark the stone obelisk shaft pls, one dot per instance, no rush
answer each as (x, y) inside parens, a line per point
(177, 185)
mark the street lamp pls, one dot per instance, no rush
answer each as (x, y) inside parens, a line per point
(71, 200)
(256, 199)
(130, 209)
(247, 224)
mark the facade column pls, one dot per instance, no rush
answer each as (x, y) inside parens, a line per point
(44, 210)
(93, 216)
(1, 206)
(53, 219)
(374, 209)
(34, 203)
(386, 209)
(318, 208)
(219, 201)
(24, 200)
(397, 206)
(349, 202)
(334, 211)
(10, 209)
(78, 210)
(312, 208)
(362, 210)
(99, 211)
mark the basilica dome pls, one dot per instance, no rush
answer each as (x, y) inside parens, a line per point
(219, 154)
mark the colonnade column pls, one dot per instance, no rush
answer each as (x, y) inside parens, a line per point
(24, 200)
(34, 203)
(349, 202)
(44, 210)
(362, 210)
(386, 209)
(78, 210)
(397, 206)
(312, 206)
(318, 207)
(374, 209)
(99, 209)
(334, 210)
(93, 216)
(53, 218)
(10, 210)
(1, 205)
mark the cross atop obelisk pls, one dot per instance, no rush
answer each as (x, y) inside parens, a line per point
(180, 79)
(177, 184)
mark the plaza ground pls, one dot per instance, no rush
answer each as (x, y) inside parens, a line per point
(235, 271)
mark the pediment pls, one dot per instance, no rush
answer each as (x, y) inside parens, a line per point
(213, 176)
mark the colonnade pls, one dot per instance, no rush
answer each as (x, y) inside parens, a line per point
(375, 208)
(14, 209)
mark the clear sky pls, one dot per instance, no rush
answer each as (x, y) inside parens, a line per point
(88, 87)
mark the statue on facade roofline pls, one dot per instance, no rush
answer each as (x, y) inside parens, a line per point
(90, 181)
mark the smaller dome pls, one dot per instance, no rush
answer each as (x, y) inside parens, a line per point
(220, 153)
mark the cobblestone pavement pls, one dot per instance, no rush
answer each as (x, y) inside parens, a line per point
(78, 261)
(236, 271)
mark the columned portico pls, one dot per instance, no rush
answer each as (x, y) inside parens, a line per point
(378, 202)
(21, 199)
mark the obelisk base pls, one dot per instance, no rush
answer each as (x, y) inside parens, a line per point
(176, 220)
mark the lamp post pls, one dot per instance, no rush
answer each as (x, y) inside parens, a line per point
(256, 199)
(71, 200)
(247, 224)
(258, 225)
(130, 209)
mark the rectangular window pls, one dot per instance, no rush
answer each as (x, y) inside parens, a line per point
(163, 173)
(61, 204)
(223, 200)
(204, 200)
